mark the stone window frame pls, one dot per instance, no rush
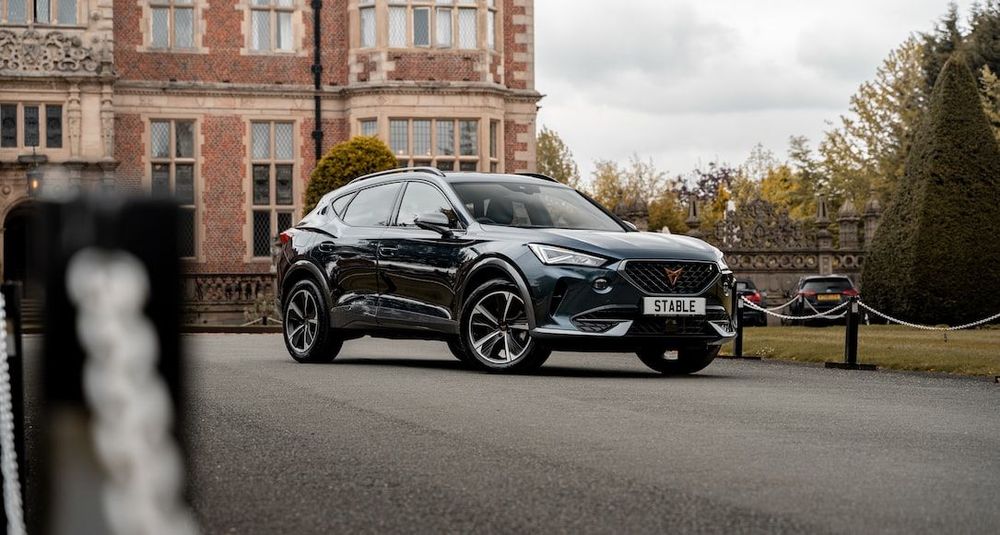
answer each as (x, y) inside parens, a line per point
(19, 146)
(298, 9)
(272, 207)
(380, 10)
(195, 160)
(198, 27)
(29, 18)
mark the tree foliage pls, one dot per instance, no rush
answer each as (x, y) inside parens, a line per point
(555, 159)
(867, 148)
(935, 256)
(344, 162)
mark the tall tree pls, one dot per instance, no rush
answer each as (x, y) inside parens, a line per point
(938, 45)
(810, 175)
(934, 258)
(607, 185)
(555, 159)
(868, 147)
(982, 44)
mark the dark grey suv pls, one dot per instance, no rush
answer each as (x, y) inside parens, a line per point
(504, 268)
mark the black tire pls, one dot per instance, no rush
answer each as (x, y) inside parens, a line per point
(455, 346)
(526, 353)
(689, 359)
(323, 345)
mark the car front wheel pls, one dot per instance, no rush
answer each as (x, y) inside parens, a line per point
(307, 332)
(495, 330)
(688, 359)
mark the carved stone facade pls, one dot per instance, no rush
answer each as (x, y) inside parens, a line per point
(764, 244)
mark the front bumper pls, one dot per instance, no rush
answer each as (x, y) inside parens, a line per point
(570, 313)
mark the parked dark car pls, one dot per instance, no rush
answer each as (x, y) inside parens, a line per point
(746, 288)
(504, 268)
(820, 293)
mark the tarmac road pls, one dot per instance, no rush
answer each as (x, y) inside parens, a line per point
(396, 436)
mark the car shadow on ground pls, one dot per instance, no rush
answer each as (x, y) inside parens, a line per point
(544, 371)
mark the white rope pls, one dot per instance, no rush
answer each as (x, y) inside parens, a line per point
(808, 304)
(786, 317)
(775, 309)
(927, 327)
(8, 457)
(130, 402)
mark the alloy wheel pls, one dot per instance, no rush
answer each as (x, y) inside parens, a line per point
(498, 328)
(301, 320)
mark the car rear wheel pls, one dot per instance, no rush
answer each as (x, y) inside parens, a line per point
(495, 330)
(688, 359)
(307, 332)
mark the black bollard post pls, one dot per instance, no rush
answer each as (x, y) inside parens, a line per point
(851, 333)
(851, 341)
(738, 343)
(15, 368)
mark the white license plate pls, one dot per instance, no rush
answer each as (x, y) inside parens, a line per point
(673, 306)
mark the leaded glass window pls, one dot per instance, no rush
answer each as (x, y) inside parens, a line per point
(271, 25)
(171, 24)
(272, 153)
(173, 174)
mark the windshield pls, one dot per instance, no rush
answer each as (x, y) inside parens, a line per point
(522, 205)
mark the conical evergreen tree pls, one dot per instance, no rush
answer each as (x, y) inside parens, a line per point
(936, 256)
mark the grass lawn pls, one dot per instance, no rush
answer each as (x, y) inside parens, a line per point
(972, 352)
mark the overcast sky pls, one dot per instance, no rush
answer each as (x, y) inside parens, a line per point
(688, 82)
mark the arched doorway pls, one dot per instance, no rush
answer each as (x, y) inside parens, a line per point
(16, 261)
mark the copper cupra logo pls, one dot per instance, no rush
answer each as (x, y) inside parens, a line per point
(673, 275)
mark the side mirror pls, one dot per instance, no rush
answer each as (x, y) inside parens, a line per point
(435, 221)
(631, 225)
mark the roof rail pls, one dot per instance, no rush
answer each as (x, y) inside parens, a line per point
(431, 170)
(538, 175)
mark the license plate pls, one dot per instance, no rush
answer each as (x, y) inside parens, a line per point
(828, 297)
(673, 306)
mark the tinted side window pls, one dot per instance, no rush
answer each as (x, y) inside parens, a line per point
(340, 203)
(372, 207)
(419, 199)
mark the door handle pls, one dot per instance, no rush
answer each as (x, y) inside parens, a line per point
(387, 251)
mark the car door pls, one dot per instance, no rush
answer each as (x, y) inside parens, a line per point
(418, 267)
(350, 255)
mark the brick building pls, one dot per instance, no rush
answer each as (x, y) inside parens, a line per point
(225, 106)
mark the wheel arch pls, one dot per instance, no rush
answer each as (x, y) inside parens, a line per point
(497, 268)
(305, 270)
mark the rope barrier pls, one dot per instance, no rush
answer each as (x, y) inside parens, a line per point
(787, 317)
(775, 309)
(926, 327)
(8, 456)
(808, 304)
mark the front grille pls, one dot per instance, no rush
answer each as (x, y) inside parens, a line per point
(651, 276)
(653, 326)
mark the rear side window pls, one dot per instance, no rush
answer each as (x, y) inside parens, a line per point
(827, 285)
(340, 203)
(372, 207)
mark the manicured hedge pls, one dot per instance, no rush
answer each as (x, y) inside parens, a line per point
(344, 162)
(936, 256)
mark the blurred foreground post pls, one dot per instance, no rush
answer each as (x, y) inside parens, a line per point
(111, 369)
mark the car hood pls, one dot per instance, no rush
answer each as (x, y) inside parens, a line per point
(622, 245)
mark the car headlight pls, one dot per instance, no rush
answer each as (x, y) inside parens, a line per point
(550, 255)
(720, 259)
